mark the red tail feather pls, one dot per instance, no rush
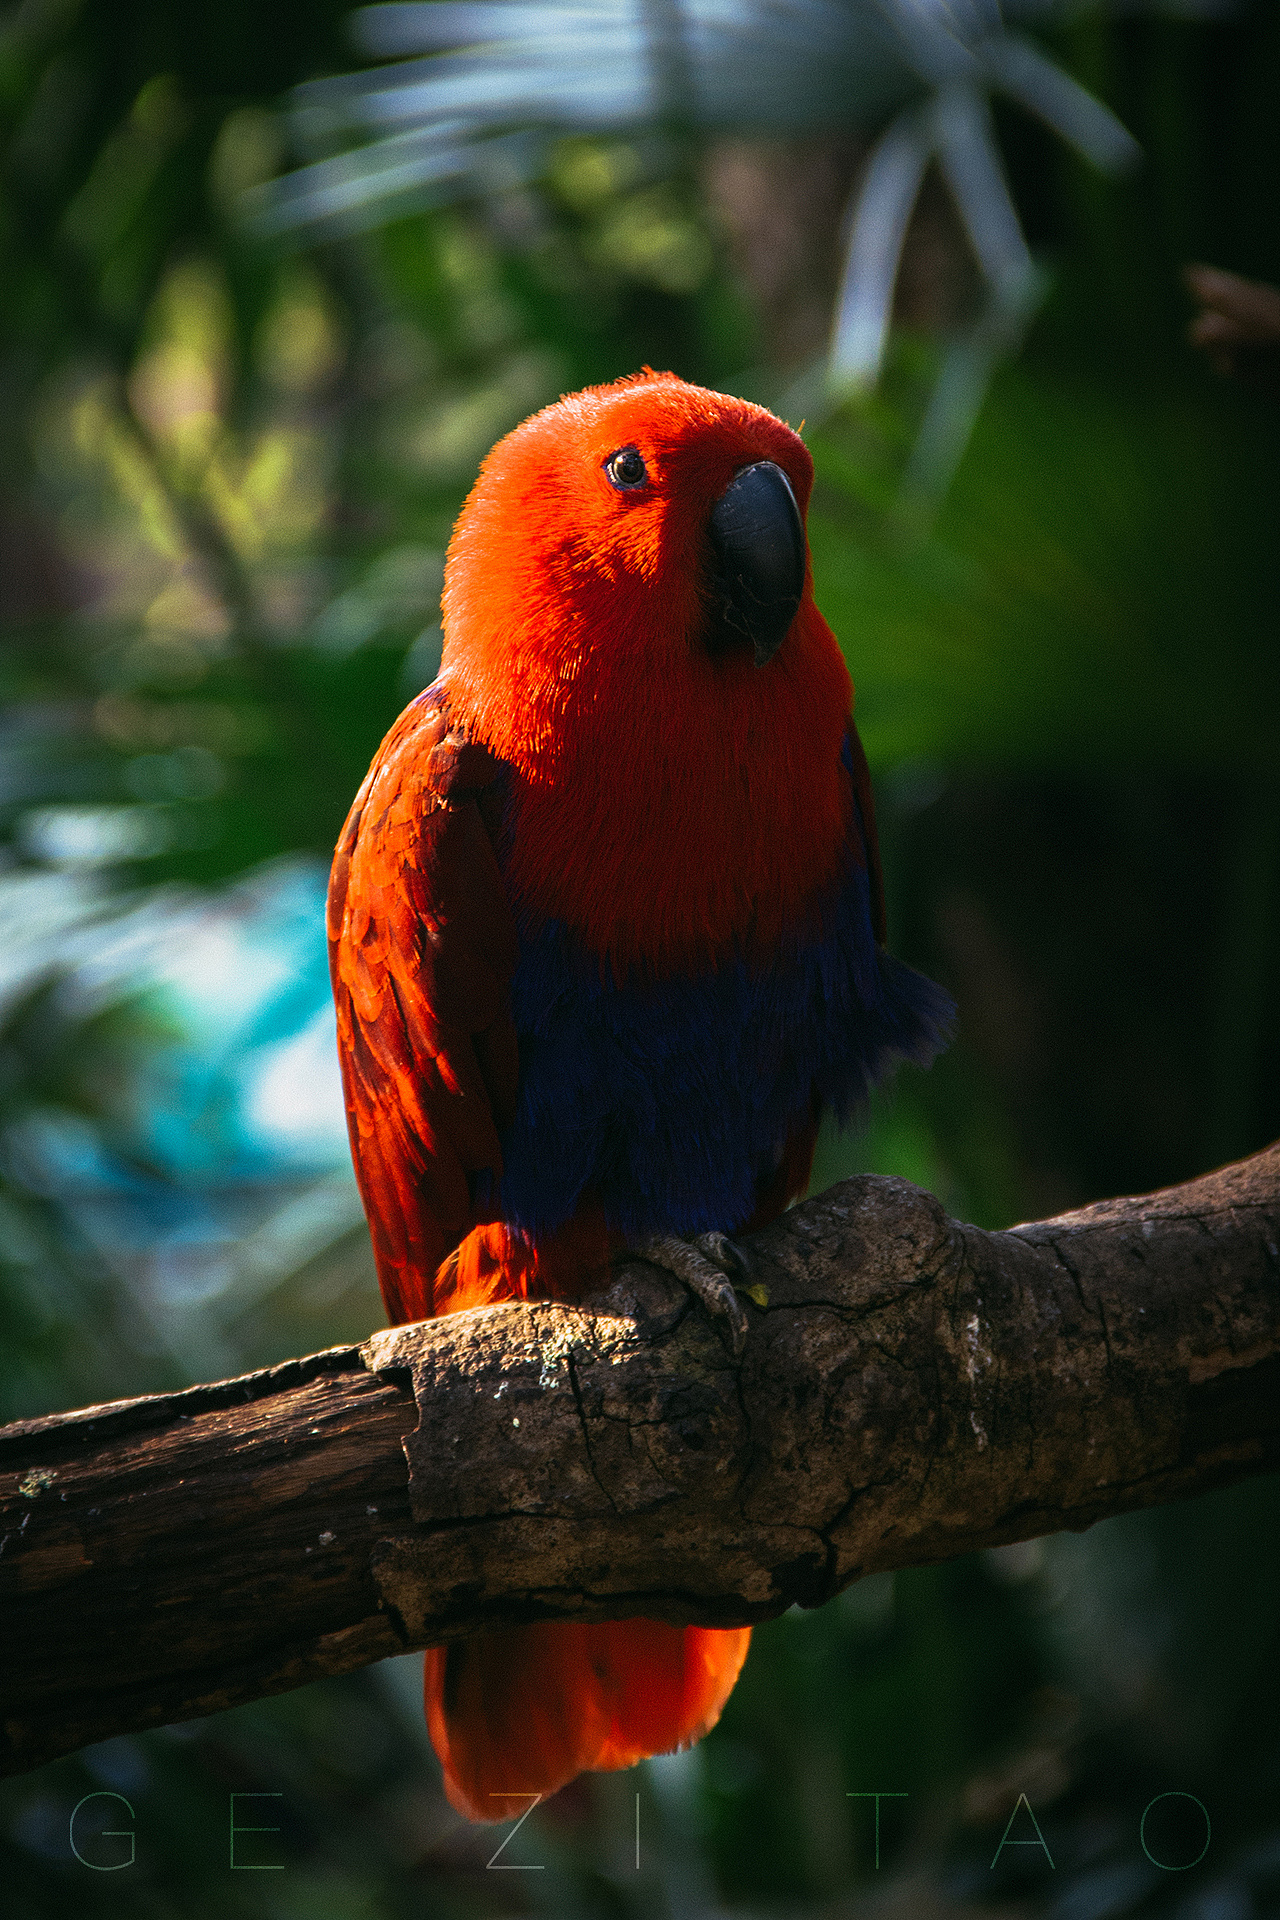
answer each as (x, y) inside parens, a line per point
(522, 1710)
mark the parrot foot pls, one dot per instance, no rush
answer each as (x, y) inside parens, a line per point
(714, 1268)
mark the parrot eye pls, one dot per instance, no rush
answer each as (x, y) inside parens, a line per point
(625, 469)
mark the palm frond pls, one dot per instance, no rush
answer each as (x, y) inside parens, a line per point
(476, 88)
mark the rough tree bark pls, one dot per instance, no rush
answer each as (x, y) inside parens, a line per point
(914, 1389)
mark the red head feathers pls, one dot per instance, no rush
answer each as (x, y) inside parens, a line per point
(577, 615)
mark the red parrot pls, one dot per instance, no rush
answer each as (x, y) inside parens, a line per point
(607, 927)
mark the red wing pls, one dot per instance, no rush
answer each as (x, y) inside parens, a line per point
(422, 947)
(870, 839)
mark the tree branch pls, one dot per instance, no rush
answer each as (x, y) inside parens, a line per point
(915, 1389)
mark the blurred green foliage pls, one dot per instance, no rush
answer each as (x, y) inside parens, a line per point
(227, 477)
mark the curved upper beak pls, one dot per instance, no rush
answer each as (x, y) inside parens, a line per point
(757, 578)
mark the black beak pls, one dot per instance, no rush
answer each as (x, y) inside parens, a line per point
(757, 576)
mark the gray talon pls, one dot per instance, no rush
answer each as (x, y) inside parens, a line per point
(734, 1260)
(703, 1265)
(723, 1252)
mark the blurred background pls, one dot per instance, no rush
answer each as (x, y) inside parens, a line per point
(274, 278)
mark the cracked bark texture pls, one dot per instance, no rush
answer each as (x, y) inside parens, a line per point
(915, 1389)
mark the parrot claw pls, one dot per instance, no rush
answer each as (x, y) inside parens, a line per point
(713, 1267)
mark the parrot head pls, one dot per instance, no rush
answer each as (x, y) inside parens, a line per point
(646, 528)
(629, 624)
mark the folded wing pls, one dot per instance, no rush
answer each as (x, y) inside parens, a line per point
(422, 947)
(860, 773)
